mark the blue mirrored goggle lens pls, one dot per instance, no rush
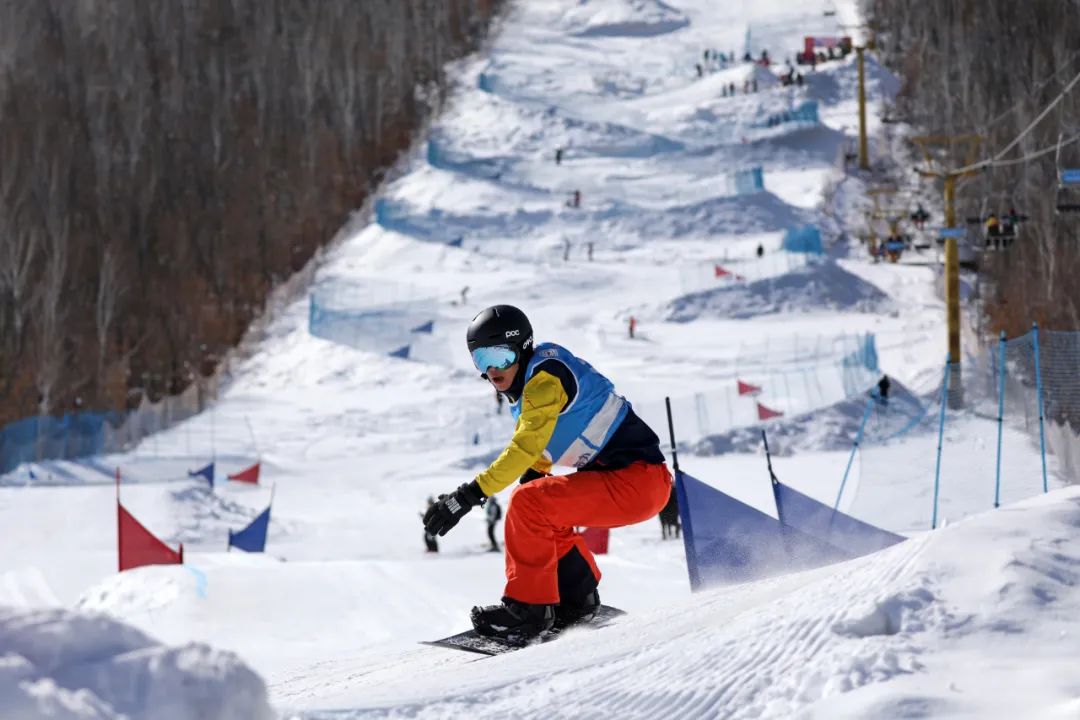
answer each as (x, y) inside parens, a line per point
(499, 357)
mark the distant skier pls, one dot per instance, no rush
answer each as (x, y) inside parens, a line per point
(429, 538)
(633, 326)
(558, 156)
(493, 512)
(669, 518)
(567, 414)
(760, 250)
(883, 389)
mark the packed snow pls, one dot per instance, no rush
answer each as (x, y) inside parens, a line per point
(975, 619)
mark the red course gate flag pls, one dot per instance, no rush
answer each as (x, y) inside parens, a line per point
(137, 546)
(747, 388)
(249, 475)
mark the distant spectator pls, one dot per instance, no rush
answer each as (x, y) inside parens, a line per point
(493, 513)
(883, 389)
(558, 156)
(670, 525)
(753, 84)
(464, 294)
(589, 247)
(700, 70)
(799, 79)
(566, 250)
(760, 250)
(575, 200)
(498, 402)
(633, 326)
(993, 231)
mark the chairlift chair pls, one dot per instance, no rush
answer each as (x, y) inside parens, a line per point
(1068, 191)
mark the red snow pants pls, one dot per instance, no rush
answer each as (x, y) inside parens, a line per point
(543, 513)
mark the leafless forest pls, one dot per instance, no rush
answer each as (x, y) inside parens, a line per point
(163, 165)
(990, 67)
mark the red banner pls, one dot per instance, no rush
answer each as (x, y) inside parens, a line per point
(747, 388)
(720, 271)
(138, 546)
(765, 413)
(250, 475)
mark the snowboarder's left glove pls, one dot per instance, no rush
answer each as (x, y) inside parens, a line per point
(446, 513)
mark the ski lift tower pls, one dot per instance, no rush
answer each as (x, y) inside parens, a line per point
(969, 144)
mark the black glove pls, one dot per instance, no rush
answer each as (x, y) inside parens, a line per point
(446, 513)
(530, 475)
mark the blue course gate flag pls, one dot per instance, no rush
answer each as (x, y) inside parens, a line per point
(728, 541)
(206, 473)
(253, 537)
(843, 532)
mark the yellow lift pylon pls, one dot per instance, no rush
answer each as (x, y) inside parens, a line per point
(969, 145)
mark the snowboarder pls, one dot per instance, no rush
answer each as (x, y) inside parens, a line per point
(493, 512)
(429, 539)
(567, 414)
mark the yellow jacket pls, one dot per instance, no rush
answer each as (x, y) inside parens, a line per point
(542, 399)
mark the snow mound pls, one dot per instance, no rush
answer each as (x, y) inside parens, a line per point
(68, 665)
(623, 18)
(814, 287)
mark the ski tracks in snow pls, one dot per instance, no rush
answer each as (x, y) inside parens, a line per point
(763, 650)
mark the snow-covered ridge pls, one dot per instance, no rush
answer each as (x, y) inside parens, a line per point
(71, 665)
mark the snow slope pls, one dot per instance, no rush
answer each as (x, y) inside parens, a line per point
(934, 627)
(355, 441)
(60, 664)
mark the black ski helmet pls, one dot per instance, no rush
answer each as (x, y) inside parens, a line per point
(501, 325)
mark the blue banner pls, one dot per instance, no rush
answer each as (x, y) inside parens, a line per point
(728, 541)
(841, 531)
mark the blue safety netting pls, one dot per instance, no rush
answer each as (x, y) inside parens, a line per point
(45, 437)
(749, 180)
(403, 329)
(804, 114)
(253, 537)
(805, 239)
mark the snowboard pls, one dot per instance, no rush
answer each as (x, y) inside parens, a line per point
(470, 641)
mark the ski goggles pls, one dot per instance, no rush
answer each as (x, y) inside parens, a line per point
(499, 357)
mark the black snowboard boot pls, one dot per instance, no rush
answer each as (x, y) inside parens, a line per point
(572, 613)
(512, 620)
